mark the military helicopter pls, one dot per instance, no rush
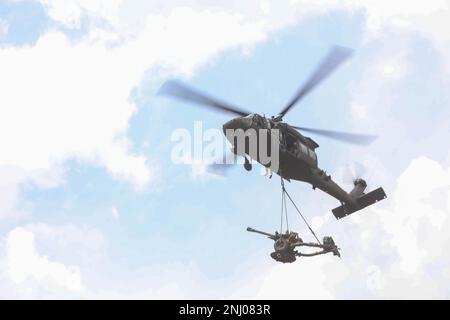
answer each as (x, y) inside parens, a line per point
(297, 156)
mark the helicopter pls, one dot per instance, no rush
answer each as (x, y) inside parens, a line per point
(297, 155)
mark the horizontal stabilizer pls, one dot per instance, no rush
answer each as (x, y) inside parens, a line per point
(364, 201)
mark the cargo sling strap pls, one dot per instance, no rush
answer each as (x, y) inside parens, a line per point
(285, 244)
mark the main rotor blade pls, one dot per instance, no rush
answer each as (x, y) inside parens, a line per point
(335, 57)
(354, 138)
(180, 91)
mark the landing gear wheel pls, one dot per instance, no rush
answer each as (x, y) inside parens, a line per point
(247, 165)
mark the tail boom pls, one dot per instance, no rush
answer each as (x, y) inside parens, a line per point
(352, 201)
(361, 202)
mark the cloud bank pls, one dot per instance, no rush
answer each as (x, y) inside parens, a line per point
(400, 249)
(70, 97)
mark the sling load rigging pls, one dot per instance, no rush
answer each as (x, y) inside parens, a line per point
(286, 243)
(298, 160)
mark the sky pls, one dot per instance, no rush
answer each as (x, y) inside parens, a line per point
(92, 205)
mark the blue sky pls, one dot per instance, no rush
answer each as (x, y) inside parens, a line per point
(103, 202)
(26, 21)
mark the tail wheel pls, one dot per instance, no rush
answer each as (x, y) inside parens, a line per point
(247, 165)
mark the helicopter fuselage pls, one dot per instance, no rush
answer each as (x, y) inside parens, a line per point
(297, 156)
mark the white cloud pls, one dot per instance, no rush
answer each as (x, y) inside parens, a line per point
(374, 90)
(53, 261)
(9, 191)
(430, 18)
(70, 12)
(397, 249)
(25, 263)
(69, 243)
(63, 99)
(77, 94)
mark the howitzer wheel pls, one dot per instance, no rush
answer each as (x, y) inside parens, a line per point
(284, 257)
(281, 245)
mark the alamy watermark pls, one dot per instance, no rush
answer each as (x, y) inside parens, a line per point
(209, 146)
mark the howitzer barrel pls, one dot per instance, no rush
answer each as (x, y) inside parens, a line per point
(271, 236)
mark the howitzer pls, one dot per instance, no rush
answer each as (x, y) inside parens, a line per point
(286, 243)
